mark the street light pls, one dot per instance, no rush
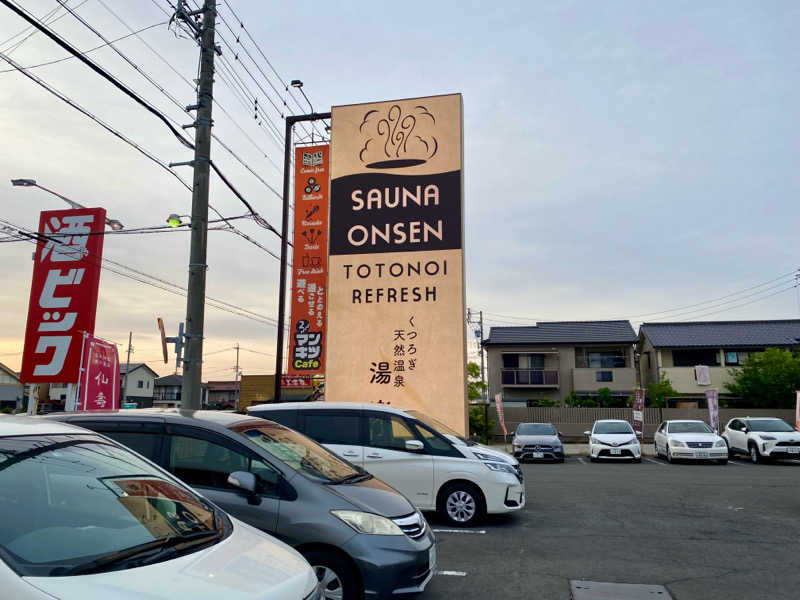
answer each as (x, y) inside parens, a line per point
(296, 83)
(112, 223)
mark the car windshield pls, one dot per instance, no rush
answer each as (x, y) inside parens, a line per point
(769, 425)
(610, 427)
(297, 451)
(438, 426)
(689, 427)
(71, 500)
(536, 429)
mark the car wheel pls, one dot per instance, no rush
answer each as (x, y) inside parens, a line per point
(755, 455)
(637, 460)
(728, 446)
(461, 504)
(560, 460)
(669, 455)
(337, 577)
(722, 461)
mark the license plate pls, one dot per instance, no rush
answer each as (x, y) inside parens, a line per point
(794, 450)
(432, 557)
(538, 455)
(702, 454)
(616, 451)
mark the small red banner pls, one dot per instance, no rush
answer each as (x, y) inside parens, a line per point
(99, 386)
(309, 261)
(295, 381)
(63, 300)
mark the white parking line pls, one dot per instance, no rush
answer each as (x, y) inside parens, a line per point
(654, 461)
(452, 573)
(479, 531)
(736, 461)
(582, 460)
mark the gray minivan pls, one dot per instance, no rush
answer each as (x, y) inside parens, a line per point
(362, 537)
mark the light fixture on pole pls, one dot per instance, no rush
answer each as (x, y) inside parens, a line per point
(287, 166)
(112, 223)
(296, 83)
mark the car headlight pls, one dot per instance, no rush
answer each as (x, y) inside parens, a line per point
(488, 457)
(517, 445)
(364, 522)
(632, 442)
(593, 440)
(767, 438)
(500, 466)
(720, 444)
(677, 443)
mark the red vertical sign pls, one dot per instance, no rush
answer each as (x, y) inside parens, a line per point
(309, 261)
(99, 385)
(63, 300)
(797, 413)
(638, 411)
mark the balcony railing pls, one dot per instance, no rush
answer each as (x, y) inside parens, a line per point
(543, 377)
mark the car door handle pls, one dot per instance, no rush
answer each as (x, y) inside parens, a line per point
(374, 455)
(349, 453)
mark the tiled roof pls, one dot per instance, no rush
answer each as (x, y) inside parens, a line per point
(222, 386)
(721, 334)
(564, 332)
(168, 380)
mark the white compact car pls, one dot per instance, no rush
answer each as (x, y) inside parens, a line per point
(762, 438)
(690, 440)
(82, 517)
(426, 461)
(611, 439)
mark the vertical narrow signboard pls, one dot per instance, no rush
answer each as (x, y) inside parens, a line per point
(99, 383)
(395, 331)
(63, 300)
(501, 417)
(638, 412)
(712, 400)
(797, 413)
(309, 261)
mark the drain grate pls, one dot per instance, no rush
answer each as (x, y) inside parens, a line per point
(603, 590)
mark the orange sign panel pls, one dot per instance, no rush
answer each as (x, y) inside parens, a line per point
(309, 261)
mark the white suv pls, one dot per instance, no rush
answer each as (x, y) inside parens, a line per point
(434, 467)
(612, 439)
(762, 438)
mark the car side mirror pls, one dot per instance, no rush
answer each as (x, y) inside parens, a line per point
(744, 430)
(560, 434)
(587, 433)
(243, 480)
(414, 446)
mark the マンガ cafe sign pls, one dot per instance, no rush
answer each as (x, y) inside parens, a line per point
(396, 296)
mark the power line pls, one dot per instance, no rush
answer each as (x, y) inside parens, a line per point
(90, 50)
(31, 31)
(97, 69)
(146, 278)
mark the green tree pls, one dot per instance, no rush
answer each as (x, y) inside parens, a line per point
(477, 423)
(767, 379)
(657, 393)
(604, 396)
(475, 387)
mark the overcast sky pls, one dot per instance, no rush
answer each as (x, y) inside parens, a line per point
(621, 158)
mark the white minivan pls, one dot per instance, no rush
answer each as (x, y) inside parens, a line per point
(423, 459)
(84, 517)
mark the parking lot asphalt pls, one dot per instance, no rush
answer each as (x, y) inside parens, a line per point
(704, 531)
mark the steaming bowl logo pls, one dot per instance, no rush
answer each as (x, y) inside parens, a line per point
(397, 140)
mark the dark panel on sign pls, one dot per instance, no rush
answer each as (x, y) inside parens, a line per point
(378, 212)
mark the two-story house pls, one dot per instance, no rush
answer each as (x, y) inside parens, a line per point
(551, 360)
(696, 356)
(137, 384)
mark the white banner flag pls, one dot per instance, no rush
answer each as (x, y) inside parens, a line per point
(712, 399)
(498, 402)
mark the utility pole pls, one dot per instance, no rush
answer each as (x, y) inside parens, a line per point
(127, 368)
(191, 388)
(484, 390)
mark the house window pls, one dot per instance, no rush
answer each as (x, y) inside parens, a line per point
(736, 358)
(511, 361)
(140, 384)
(148, 385)
(691, 358)
(600, 358)
(604, 376)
